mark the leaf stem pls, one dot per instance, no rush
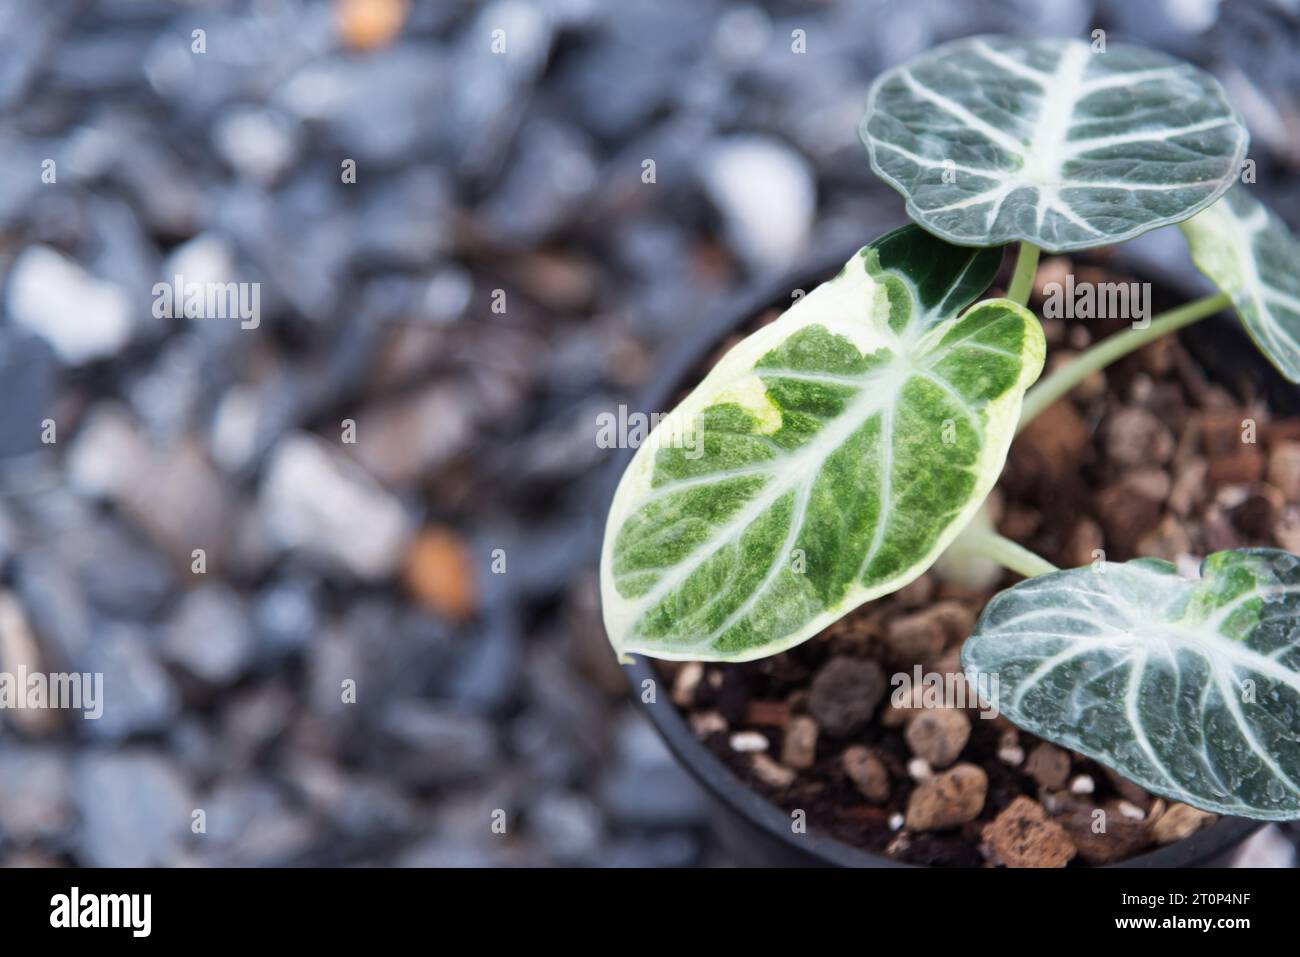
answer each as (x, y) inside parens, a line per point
(1022, 278)
(1114, 347)
(1005, 552)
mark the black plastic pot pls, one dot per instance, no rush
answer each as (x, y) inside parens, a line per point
(757, 832)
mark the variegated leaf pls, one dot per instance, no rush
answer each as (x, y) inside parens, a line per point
(826, 460)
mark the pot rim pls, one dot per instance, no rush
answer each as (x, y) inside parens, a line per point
(670, 723)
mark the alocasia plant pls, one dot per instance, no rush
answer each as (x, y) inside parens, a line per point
(851, 442)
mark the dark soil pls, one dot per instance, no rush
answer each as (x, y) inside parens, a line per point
(1148, 458)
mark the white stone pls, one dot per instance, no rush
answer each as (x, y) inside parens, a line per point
(749, 741)
(448, 294)
(765, 193)
(207, 258)
(1013, 755)
(234, 428)
(258, 143)
(918, 769)
(106, 451)
(81, 316)
(316, 500)
(1131, 811)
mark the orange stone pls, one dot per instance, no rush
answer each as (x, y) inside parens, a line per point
(439, 572)
(369, 24)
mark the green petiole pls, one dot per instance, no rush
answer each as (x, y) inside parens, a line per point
(1058, 383)
(1022, 278)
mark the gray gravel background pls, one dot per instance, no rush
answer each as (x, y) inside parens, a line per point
(475, 703)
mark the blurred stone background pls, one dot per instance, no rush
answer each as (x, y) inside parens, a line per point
(483, 180)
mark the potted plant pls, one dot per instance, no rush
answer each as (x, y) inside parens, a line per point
(840, 454)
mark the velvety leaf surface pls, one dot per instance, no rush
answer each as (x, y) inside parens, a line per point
(992, 139)
(1250, 254)
(1190, 688)
(827, 459)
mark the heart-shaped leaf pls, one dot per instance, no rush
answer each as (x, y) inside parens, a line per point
(1190, 688)
(826, 460)
(1250, 254)
(992, 139)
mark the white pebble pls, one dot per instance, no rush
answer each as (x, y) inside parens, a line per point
(1014, 756)
(258, 143)
(765, 191)
(1132, 811)
(686, 682)
(80, 315)
(1230, 496)
(919, 769)
(1083, 784)
(747, 741)
(895, 822)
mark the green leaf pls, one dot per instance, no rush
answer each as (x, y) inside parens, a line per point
(1249, 253)
(826, 460)
(1188, 687)
(991, 139)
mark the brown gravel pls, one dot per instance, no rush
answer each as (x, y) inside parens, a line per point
(938, 735)
(1178, 822)
(867, 772)
(799, 749)
(1023, 836)
(949, 798)
(1048, 765)
(1106, 834)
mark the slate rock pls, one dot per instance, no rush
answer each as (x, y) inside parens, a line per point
(134, 809)
(139, 695)
(845, 693)
(35, 794)
(27, 369)
(209, 635)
